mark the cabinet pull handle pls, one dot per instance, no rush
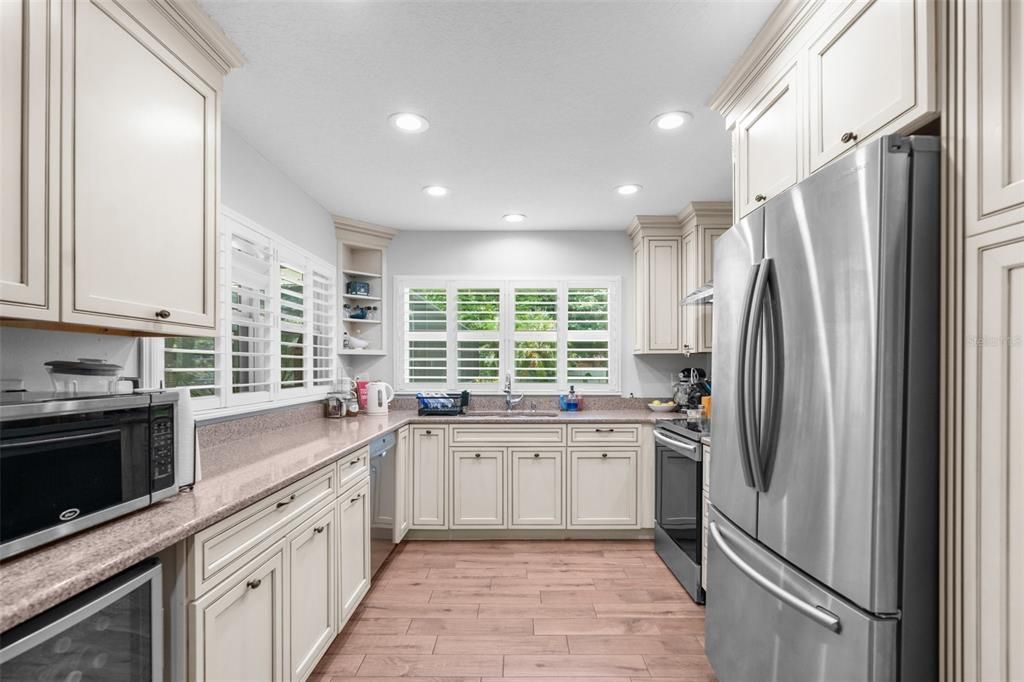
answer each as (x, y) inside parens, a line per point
(536, 454)
(285, 503)
(163, 314)
(604, 430)
(848, 137)
(477, 455)
(427, 432)
(319, 529)
(759, 197)
(356, 498)
(604, 454)
(355, 461)
(253, 584)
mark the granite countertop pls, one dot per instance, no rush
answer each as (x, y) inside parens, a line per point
(235, 474)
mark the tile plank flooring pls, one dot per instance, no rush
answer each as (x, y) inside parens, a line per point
(535, 610)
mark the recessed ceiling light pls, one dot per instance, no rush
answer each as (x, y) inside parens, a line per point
(626, 190)
(409, 123)
(671, 120)
(435, 190)
(513, 217)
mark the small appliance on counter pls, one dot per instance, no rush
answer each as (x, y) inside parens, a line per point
(378, 396)
(342, 401)
(442, 404)
(691, 387)
(70, 462)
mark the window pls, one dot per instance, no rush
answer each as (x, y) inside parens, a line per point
(277, 339)
(456, 335)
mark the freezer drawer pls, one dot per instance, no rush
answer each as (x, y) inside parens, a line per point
(800, 632)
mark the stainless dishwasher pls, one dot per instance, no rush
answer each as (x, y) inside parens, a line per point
(382, 500)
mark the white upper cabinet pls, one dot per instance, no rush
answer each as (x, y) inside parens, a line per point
(139, 228)
(110, 131)
(28, 286)
(769, 143)
(871, 71)
(994, 93)
(658, 281)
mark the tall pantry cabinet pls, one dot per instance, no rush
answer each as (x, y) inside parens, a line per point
(111, 115)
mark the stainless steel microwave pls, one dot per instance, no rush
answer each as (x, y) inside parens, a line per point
(68, 463)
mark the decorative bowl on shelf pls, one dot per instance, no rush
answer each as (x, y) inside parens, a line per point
(354, 342)
(662, 407)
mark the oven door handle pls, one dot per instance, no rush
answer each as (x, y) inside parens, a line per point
(61, 439)
(686, 449)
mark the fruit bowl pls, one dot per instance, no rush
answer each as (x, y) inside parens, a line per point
(662, 407)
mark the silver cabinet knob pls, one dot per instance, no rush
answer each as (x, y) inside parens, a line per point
(848, 137)
(759, 197)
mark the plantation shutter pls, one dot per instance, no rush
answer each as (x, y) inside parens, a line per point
(250, 266)
(295, 327)
(425, 327)
(535, 335)
(588, 336)
(323, 325)
(477, 334)
(191, 361)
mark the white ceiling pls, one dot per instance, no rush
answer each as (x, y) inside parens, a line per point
(535, 107)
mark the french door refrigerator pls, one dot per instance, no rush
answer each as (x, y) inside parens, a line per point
(823, 554)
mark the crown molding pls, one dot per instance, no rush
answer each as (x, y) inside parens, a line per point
(203, 32)
(352, 231)
(653, 226)
(711, 213)
(775, 36)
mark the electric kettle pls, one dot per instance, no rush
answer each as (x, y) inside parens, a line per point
(378, 396)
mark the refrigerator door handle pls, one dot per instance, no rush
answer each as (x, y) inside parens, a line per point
(765, 455)
(742, 389)
(751, 372)
(818, 614)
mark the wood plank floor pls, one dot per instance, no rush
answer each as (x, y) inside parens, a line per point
(522, 610)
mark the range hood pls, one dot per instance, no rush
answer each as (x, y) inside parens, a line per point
(700, 296)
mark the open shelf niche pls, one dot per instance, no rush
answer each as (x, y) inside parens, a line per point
(362, 250)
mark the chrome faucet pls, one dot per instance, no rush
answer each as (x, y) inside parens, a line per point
(510, 400)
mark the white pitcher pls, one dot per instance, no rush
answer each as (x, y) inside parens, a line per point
(378, 396)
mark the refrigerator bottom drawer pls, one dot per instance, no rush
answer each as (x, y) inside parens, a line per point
(765, 621)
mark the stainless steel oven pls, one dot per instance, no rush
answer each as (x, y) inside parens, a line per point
(112, 632)
(678, 503)
(71, 462)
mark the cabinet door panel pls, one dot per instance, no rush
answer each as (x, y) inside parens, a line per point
(428, 478)
(240, 629)
(994, 85)
(312, 580)
(709, 237)
(537, 488)
(688, 245)
(639, 285)
(139, 177)
(863, 74)
(663, 295)
(478, 487)
(26, 202)
(769, 143)
(403, 509)
(603, 487)
(354, 527)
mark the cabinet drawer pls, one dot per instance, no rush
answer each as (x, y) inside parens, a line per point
(223, 547)
(617, 434)
(352, 467)
(503, 435)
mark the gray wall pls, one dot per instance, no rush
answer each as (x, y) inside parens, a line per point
(250, 185)
(534, 254)
(254, 187)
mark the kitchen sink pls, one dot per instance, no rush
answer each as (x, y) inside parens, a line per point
(514, 414)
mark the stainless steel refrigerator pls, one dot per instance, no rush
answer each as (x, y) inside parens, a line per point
(823, 559)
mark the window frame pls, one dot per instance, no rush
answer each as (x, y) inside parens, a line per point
(225, 402)
(507, 335)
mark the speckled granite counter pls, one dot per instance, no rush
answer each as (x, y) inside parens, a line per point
(236, 473)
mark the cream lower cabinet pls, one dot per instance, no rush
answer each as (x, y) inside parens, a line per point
(312, 591)
(239, 628)
(603, 487)
(428, 477)
(403, 486)
(478, 487)
(536, 488)
(354, 528)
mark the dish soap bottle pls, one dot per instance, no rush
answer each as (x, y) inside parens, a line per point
(571, 402)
